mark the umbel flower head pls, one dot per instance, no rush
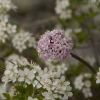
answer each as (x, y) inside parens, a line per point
(53, 45)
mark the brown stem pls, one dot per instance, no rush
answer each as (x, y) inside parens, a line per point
(84, 62)
(7, 60)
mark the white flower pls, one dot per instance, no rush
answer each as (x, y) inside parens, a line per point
(87, 83)
(67, 93)
(12, 57)
(4, 18)
(64, 3)
(6, 79)
(11, 28)
(66, 14)
(11, 69)
(49, 95)
(68, 32)
(98, 77)
(58, 7)
(61, 5)
(23, 61)
(7, 5)
(14, 78)
(88, 75)
(79, 82)
(32, 42)
(62, 68)
(87, 92)
(11, 72)
(21, 41)
(43, 73)
(62, 83)
(36, 84)
(2, 26)
(30, 98)
(49, 85)
(3, 37)
(25, 76)
(83, 83)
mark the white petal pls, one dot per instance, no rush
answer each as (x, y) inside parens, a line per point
(26, 71)
(20, 79)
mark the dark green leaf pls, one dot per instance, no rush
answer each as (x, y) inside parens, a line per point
(20, 89)
(7, 96)
(30, 89)
(15, 98)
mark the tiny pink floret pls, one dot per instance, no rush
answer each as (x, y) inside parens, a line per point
(53, 46)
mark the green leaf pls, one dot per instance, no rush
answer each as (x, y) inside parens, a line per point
(30, 89)
(21, 98)
(20, 89)
(7, 96)
(18, 98)
(40, 97)
(41, 90)
(57, 99)
(26, 96)
(15, 98)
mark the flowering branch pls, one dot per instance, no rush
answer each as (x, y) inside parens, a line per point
(84, 62)
(45, 83)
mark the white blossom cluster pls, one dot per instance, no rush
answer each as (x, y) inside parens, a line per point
(61, 68)
(62, 9)
(98, 77)
(69, 31)
(12, 57)
(20, 39)
(6, 28)
(23, 72)
(23, 40)
(6, 5)
(95, 1)
(83, 83)
(91, 4)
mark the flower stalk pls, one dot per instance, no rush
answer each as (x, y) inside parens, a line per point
(84, 62)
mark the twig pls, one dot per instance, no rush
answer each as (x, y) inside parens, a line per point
(7, 60)
(84, 62)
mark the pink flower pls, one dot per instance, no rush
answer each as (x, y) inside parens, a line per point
(52, 45)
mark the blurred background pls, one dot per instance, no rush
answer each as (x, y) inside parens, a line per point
(80, 19)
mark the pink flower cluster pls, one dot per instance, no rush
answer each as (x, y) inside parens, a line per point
(52, 45)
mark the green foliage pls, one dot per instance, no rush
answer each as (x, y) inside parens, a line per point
(20, 89)
(80, 37)
(7, 96)
(1, 66)
(30, 89)
(18, 98)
